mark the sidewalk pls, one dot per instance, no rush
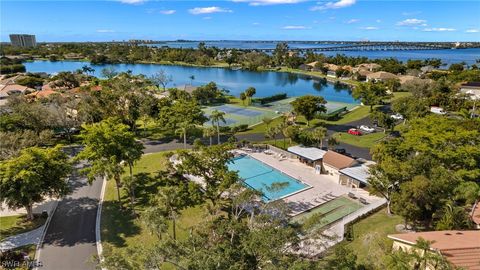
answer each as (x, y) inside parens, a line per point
(27, 238)
(37, 208)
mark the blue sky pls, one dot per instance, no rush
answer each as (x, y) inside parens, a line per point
(242, 19)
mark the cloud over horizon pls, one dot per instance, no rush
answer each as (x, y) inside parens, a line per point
(439, 29)
(334, 5)
(208, 10)
(295, 27)
(412, 22)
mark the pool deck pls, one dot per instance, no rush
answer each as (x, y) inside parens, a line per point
(324, 188)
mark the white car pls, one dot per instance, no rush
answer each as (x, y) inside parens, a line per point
(367, 128)
(397, 116)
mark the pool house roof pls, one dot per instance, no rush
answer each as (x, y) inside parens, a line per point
(310, 153)
(359, 173)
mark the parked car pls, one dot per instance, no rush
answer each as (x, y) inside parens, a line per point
(397, 116)
(340, 150)
(366, 129)
(354, 131)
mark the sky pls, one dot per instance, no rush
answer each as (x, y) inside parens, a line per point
(73, 20)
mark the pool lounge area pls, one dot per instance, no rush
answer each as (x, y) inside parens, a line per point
(272, 183)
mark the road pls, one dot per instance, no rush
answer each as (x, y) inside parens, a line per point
(69, 242)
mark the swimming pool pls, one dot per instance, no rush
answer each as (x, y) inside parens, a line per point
(261, 177)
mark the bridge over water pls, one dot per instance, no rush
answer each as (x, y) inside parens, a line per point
(370, 47)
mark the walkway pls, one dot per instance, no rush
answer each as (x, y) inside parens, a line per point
(23, 239)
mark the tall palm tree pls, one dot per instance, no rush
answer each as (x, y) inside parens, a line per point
(182, 131)
(191, 77)
(319, 134)
(209, 133)
(267, 121)
(216, 117)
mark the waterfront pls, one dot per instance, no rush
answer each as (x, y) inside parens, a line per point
(236, 81)
(448, 56)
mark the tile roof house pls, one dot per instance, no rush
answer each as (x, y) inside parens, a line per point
(12, 89)
(460, 248)
(381, 76)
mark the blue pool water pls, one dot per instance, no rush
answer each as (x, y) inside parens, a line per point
(260, 177)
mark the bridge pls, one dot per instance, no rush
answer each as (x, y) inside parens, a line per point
(370, 47)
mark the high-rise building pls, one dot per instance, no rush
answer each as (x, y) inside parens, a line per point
(23, 40)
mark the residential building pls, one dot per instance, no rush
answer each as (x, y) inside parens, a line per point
(23, 40)
(333, 162)
(12, 89)
(460, 248)
(369, 66)
(381, 76)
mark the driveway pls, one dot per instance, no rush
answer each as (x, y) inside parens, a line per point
(70, 238)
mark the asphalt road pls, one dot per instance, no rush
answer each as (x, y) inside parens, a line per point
(69, 242)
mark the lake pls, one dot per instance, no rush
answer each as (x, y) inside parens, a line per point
(235, 81)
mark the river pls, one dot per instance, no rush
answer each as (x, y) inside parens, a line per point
(236, 81)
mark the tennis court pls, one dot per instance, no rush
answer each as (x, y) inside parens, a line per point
(285, 106)
(239, 115)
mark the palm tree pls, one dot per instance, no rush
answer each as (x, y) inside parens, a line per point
(182, 131)
(332, 142)
(267, 121)
(270, 134)
(216, 117)
(209, 132)
(319, 134)
(191, 77)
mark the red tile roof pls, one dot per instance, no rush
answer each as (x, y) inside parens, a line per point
(461, 248)
(337, 160)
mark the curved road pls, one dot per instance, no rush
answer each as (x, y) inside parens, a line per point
(69, 242)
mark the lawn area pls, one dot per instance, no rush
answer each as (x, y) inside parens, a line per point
(378, 226)
(12, 225)
(367, 140)
(120, 229)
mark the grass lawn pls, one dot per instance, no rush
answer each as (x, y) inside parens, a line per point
(367, 140)
(280, 143)
(120, 229)
(378, 225)
(12, 225)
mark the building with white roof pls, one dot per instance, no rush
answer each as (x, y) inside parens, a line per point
(311, 156)
(356, 176)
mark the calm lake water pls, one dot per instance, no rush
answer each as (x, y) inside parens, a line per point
(448, 56)
(236, 81)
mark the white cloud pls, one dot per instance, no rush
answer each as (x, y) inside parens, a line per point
(208, 10)
(378, 21)
(133, 2)
(105, 31)
(256, 23)
(473, 31)
(352, 21)
(369, 28)
(167, 12)
(441, 29)
(335, 5)
(295, 27)
(268, 2)
(412, 22)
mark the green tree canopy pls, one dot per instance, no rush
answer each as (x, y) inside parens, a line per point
(309, 106)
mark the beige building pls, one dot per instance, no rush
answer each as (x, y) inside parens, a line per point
(380, 76)
(333, 162)
(460, 248)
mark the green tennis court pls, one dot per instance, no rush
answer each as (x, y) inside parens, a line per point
(239, 115)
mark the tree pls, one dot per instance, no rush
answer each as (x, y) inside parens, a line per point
(243, 97)
(107, 145)
(289, 132)
(280, 53)
(267, 121)
(209, 163)
(319, 134)
(332, 142)
(33, 175)
(171, 201)
(88, 69)
(369, 93)
(453, 218)
(182, 131)
(161, 78)
(216, 117)
(209, 132)
(109, 72)
(249, 93)
(192, 78)
(309, 106)
(410, 107)
(343, 259)
(384, 120)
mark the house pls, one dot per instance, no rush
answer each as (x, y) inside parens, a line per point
(12, 89)
(407, 78)
(356, 176)
(360, 74)
(333, 162)
(43, 94)
(380, 76)
(460, 248)
(369, 66)
(472, 89)
(311, 156)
